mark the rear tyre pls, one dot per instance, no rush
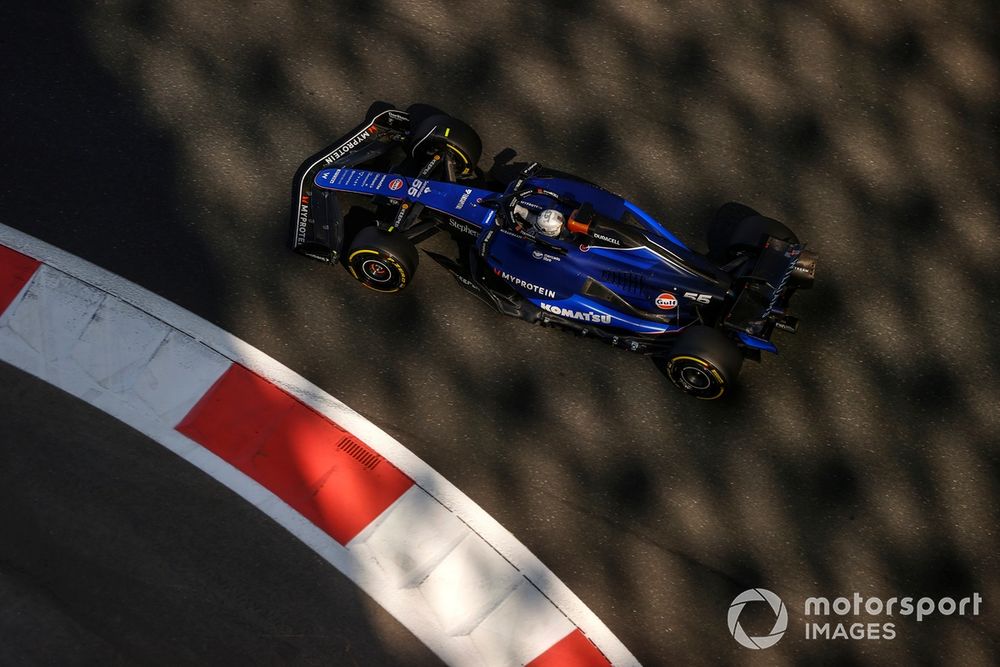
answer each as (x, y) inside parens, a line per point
(737, 228)
(441, 131)
(382, 261)
(703, 362)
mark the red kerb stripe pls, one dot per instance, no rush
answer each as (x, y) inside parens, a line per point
(322, 471)
(573, 650)
(15, 271)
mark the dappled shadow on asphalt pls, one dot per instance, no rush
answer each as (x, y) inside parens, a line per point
(863, 458)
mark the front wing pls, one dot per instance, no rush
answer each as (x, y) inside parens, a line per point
(317, 221)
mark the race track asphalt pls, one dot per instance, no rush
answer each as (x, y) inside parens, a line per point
(115, 551)
(157, 140)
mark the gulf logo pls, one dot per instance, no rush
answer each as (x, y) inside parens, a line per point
(395, 184)
(666, 301)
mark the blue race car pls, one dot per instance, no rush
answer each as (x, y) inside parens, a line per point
(549, 247)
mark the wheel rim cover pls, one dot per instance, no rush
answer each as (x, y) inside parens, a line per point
(376, 271)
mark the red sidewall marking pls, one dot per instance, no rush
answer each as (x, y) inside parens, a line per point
(573, 650)
(323, 472)
(15, 272)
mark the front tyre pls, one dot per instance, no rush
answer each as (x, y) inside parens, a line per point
(703, 362)
(382, 261)
(440, 132)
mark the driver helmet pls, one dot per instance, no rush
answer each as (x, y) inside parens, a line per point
(550, 222)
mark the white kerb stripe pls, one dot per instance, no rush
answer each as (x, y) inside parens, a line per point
(146, 361)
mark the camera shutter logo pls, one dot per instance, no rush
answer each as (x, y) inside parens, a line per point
(780, 622)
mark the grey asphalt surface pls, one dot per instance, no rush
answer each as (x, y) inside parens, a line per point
(117, 552)
(158, 140)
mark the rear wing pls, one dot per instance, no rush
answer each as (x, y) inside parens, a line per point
(761, 306)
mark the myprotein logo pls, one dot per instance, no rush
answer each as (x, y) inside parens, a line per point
(780, 620)
(350, 145)
(521, 282)
(300, 231)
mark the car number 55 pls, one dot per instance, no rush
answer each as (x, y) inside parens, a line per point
(700, 298)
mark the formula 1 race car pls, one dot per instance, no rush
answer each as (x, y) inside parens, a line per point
(548, 247)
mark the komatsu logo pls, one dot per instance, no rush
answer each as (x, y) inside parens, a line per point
(531, 287)
(584, 315)
(348, 147)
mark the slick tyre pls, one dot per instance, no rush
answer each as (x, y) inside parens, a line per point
(443, 132)
(376, 108)
(382, 261)
(419, 112)
(703, 363)
(737, 228)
